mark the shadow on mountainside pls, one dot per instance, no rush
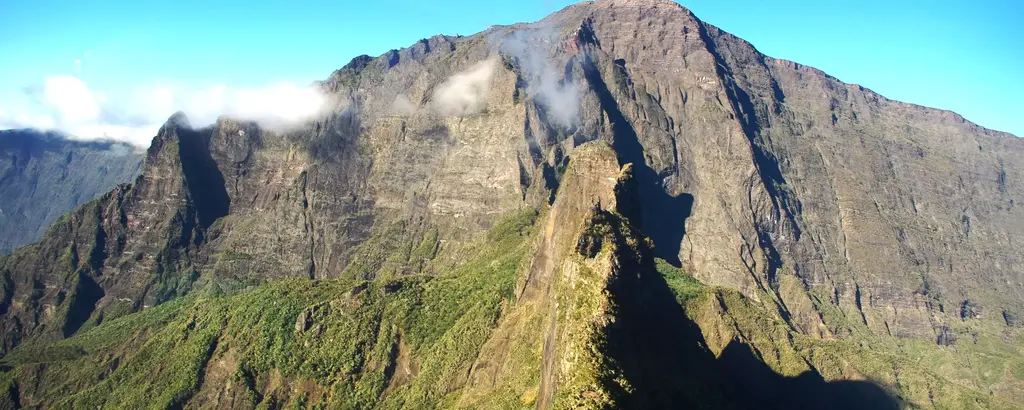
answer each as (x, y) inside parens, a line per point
(767, 389)
(663, 355)
(204, 180)
(669, 212)
(659, 350)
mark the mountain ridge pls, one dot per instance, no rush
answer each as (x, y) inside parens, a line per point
(835, 222)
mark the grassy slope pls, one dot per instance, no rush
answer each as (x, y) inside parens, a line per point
(332, 343)
(920, 373)
(412, 341)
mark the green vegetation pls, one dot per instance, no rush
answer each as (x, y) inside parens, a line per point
(456, 337)
(407, 341)
(232, 255)
(425, 251)
(684, 286)
(399, 248)
(919, 372)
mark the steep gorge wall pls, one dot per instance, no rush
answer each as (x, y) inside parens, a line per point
(839, 211)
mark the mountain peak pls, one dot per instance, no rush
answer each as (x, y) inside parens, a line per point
(660, 5)
(178, 119)
(639, 3)
(167, 133)
(619, 206)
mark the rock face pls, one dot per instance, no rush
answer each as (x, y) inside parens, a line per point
(841, 213)
(43, 176)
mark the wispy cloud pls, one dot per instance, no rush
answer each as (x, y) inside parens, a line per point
(546, 83)
(68, 104)
(402, 105)
(465, 93)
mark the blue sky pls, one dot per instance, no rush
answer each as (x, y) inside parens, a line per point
(964, 56)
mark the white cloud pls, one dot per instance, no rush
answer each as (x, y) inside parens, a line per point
(465, 93)
(402, 105)
(282, 102)
(545, 82)
(68, 104)
(71, 99)
(25, 120)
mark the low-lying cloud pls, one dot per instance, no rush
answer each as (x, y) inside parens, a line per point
(465, 93)
(545, 82)
(69, 105)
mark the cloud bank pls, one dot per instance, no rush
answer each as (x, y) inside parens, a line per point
(465, 93)
(70, 105)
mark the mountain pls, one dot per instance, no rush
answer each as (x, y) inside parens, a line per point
(619, 206)
(45, 175)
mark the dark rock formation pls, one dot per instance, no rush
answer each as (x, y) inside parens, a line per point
(1011, 319)
(970, 310)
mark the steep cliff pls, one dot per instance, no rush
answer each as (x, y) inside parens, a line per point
(811, 236)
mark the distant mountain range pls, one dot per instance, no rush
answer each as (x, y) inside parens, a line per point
(619, 206)
(43, 175)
